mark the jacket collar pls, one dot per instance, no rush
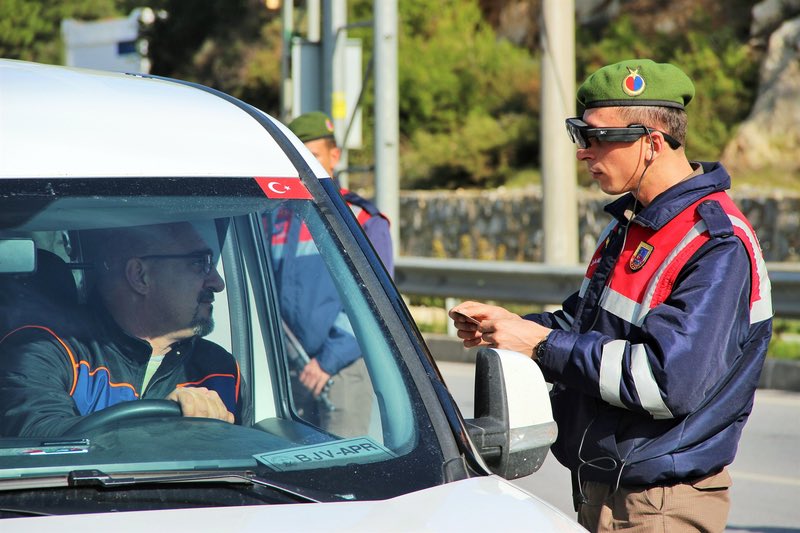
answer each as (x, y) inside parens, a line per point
(129, 345)
(674, 200)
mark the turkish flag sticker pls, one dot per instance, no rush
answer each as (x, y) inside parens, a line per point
(287, 188)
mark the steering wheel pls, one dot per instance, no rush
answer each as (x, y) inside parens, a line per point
(124, 412)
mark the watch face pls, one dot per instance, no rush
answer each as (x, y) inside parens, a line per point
(540, 348)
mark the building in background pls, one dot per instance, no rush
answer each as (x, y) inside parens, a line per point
(109, 44)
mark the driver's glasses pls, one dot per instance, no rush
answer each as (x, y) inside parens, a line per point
(200, 261)
(582, 134)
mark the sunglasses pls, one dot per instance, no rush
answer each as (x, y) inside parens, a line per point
(581, 134)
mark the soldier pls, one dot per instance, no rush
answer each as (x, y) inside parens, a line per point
(655, 360)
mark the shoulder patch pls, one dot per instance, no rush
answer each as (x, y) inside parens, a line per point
(716, 219)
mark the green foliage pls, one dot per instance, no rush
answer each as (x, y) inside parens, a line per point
(785, 342)
(722, 67)
(466, 111)
(178, 37)
(21, 24)
(725, 76)
(469, 101)
(783, 349)
(447, 62)
(231, 45)
(480, 151)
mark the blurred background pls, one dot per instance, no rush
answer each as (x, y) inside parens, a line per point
(470, 79)
(469, 71)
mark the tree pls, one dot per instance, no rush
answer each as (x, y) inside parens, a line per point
(710, 49)
(231, 45)
(468, 100)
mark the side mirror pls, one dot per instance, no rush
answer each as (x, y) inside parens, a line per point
(513, 426)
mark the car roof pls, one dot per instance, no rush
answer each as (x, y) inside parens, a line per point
(65, 122)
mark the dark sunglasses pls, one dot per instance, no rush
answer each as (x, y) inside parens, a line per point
(203, 261)
(581, 134)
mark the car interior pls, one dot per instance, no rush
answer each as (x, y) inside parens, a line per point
(45, 277)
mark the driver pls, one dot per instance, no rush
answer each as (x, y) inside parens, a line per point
(140, 337)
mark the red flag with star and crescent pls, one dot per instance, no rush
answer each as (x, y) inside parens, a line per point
(286, 188)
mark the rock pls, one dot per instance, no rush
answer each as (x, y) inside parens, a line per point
(770, 136)
(770, 14)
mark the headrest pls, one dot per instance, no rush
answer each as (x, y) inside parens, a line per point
(53, 278)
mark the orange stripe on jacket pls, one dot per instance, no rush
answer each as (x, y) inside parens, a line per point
(110, 383)
(212, 376)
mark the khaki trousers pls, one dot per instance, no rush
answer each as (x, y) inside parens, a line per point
(351, 394)
(699, 505)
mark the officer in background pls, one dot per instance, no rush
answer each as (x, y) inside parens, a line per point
(315, 129)
(336, 391)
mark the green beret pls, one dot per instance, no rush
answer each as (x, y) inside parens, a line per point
(312, 126)
(637, 82)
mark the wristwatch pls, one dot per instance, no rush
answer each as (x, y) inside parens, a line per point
(538, 350)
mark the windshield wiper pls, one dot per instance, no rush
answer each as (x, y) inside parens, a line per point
(98, 478)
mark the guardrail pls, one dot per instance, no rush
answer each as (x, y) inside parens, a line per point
(538, 283)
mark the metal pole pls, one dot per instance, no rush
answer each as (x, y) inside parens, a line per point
(387, 129)
(312, 9)
(334, 40)
(287, 21)
(559, 183)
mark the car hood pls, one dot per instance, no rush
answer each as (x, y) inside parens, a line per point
(477, 504)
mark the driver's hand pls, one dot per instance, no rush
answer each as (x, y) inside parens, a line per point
(314, 378)
(201, 402)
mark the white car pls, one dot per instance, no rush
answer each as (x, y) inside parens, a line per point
(82, 151)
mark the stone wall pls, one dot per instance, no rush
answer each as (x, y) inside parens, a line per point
(506, 224)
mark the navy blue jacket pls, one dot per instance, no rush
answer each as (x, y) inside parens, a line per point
(375, 225)
(51, 375)
(656, 359)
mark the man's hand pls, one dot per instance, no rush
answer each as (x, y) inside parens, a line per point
(497, 328)
(314, 378)
(201, 402)
(468, 317)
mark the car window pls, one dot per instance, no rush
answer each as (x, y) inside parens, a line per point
(292, 295)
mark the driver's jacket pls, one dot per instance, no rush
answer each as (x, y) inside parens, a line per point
(50, 375)
(656, 359)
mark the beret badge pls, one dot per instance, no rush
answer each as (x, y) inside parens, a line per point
(633, 84)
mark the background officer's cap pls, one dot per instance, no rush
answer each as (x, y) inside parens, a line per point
(637, 82)
(312, 126)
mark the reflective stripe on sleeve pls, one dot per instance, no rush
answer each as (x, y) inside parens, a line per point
(611, 372)
(646, 386)
(563, 319)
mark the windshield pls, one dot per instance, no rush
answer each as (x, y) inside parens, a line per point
(242, 294)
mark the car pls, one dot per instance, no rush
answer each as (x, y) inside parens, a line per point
(83, 152)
